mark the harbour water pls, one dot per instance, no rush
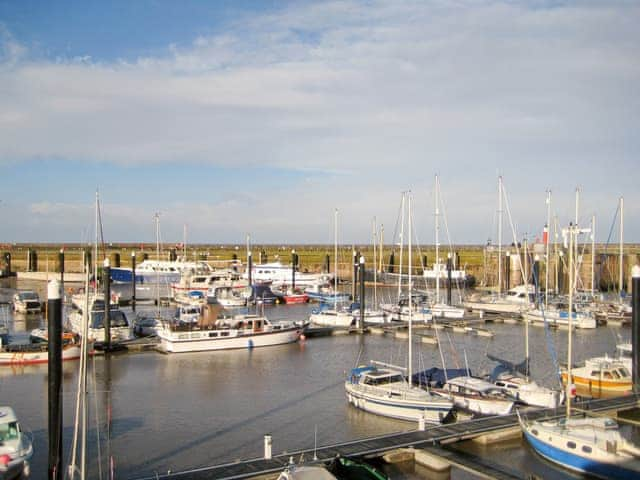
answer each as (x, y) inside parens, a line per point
(153, 413)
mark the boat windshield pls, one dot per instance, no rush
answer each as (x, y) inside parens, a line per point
(8, 431)
(383, 380)
(117, 319)
(29, 296)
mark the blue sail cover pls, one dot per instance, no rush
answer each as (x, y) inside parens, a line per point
(435, 377)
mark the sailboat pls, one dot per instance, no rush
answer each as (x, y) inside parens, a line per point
(593, 446)
(333, 317)
(383, 388)
(438, 308)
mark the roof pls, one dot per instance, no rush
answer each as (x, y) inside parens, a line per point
(471, 383)
(7, 415)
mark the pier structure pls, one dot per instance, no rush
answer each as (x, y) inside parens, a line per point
(433, 439)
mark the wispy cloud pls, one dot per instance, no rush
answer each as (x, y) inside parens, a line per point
(375, 92)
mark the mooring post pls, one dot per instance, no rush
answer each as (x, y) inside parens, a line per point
(635, 328)
(61, 266)
(133, 281)
(327, 262)
(106, 278)
(449, 281)
(536, 279)
(392, 259)
(362, 303)
(507, 270)
(267, 447)
(54, 320)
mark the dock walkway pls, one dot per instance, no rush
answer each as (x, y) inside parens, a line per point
(431, 437)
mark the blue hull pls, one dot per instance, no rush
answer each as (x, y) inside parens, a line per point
(578, 463)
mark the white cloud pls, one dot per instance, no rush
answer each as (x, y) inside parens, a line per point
(383, 93)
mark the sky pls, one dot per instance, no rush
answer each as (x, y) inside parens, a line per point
(261, 118)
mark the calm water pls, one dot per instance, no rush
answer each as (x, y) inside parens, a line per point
(174, 412)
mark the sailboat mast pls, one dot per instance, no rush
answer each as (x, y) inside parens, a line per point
(95, 246)
(547, 263)
(335, 259)
(184, 242)
(570, 335)
(555, 252)
(500, 234)
(593, 255)
(375, 264)
(157, 218)
(410, 299)
(437, 229)
(381, 244)
(621, 261)
(401, 244)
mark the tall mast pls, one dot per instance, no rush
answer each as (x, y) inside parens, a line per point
(555, 252)
(95, 246)
(184, 242)
(437, 229)
(410, 300)
(157, 218)
(335, 259)
(401, 244)
(593, 255)
(621, 262)
(375, 266)
(577, 204)
(500, 234)
(569, 346)
(547, 263)
(381, 244)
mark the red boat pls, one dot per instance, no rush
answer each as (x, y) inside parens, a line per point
(291, 296)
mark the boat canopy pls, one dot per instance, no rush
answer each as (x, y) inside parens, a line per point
(435, 377)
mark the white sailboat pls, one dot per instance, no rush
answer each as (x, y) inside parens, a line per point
(438, 308)
(333, 317)
(590, 445)
(383, 389)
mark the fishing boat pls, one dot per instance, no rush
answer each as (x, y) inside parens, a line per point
(239, 331)
(27, 302)
(593, 446)
(388, 390)
(16, 448)
(119, 324)
(36, 350)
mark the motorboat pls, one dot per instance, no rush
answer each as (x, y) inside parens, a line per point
(332, 317)
(36, 349)
(325, 293)
(16, 448)
(229, 296)
(290, 295)
(239, 331)
(276, 273)
(27, 302)
(476, 395)
(516, 301)
(528, 391)
(120, 327)
(383, 389)
(203, 282)
(442, 310)
(600, 378)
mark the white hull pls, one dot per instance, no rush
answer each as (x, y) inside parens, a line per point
(496, 307)
(70, 352)
(97, 334)
(331, 318)
(411, 406)
(446, 311)
(393, 312)
(209, 340)
(579, 320)
(373, 317)
(480, 406)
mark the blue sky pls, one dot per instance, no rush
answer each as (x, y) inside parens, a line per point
(260, 118)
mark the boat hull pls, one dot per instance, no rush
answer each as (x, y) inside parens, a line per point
(411, 410)
(205, 340)
(578, 463)
(71, 352)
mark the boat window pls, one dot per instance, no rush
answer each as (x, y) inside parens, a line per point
(607, 375)
(500, 384)
(224, 334)
(534, 431)
(213, 334)
(586, 448)
(595, 373)
(571, 444)
(8, 431)
(615, 374)
(624, 372)
(117, 319)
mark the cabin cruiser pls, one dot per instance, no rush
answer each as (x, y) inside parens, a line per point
(203, 282)
(119, 324)
(600, 378)
(239, 331)
(16, 448)
(27, 302)
(277, 273)
(516, 301)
